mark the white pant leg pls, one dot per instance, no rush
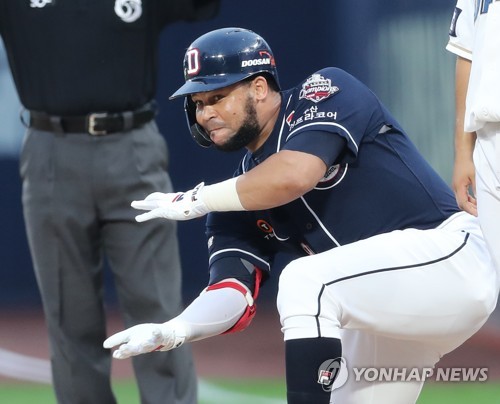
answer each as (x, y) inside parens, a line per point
(368, 351)
(432, 288)
(487, 163)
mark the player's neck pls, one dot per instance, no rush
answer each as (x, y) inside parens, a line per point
(268, 115)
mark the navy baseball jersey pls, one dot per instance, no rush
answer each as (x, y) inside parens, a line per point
(376, 180)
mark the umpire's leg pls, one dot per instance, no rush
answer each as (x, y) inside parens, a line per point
(146, 267)
(64, 241)
(144, 257)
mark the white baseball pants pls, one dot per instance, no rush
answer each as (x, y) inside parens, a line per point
(400, 299)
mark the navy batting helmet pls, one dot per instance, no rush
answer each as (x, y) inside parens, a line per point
(219, 59)
(223, 57)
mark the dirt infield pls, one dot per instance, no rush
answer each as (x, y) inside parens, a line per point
(256, 352)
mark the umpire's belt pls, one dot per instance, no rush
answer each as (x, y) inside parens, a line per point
(98, 123)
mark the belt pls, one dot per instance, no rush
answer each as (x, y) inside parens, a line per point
(96, 124)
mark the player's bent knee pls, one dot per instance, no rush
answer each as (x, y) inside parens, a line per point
(300, 297)
(297, 291)
(291, 279)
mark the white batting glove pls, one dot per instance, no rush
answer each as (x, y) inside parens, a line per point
(175, 206)
(144, 338)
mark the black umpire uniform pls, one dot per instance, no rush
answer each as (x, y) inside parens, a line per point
(85, 70)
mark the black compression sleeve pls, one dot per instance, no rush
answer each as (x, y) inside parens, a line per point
(304, 358)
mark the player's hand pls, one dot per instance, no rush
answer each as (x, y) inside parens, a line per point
(175, 206)
(464, 183)
(144, 338)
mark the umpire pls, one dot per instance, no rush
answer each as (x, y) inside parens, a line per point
(86, 73)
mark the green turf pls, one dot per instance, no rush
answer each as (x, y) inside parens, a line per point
(126, 392)
(460, 393)
(270, 388)
(18, 393)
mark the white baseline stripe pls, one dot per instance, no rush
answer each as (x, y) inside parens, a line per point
(18, 366)
(23, 367)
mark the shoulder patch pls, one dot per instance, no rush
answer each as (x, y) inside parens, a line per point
(317, 88)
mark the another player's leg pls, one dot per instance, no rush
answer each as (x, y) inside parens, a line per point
(487, 162)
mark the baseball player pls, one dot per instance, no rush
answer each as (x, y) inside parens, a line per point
(385, 271)
(475, 39)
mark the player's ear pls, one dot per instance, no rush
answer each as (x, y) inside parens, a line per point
(260, 87)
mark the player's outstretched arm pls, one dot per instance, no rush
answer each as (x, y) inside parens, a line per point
(282, 178)
(211, 313)
(191, 204)
(144, 338)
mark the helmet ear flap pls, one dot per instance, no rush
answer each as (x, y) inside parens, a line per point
(197, 132)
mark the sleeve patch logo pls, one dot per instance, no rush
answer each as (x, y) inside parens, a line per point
(317, 88)
(333, 176)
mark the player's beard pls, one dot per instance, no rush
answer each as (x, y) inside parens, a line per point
(248, 132)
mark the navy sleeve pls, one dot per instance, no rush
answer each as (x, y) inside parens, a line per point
(232, 267)
(234, 235)
(325, 145)
(331, 101)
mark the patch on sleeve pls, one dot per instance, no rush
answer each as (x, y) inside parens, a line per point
(453, 25)
(317, 88)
